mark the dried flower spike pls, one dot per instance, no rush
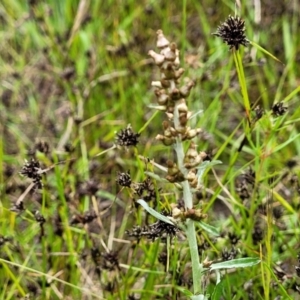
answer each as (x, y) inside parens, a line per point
(232, 32)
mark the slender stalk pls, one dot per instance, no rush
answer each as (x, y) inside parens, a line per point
(196, 266)
(188, 202)
(191, 232)
(171, 97)
(268, 258)
(242, 81)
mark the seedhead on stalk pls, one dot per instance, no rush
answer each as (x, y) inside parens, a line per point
(172, 98)
(232, 32)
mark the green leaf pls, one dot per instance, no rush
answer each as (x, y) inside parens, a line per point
(199, 297)
(154, 213)
(156, 177)
(218, 291)
(208, 228)
(184, 291)
(242, 80)
(291, 95)
(283, 202)
(196, 114)
(282, 145)
(265, 51)
(204, 166)
(235, 263)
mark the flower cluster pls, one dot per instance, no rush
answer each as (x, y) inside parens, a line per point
(105, 261)
(171, 98)
(145, 189)
(245, 184)
(278, 109)
(232, 32)
(42, 146)
(32, 170)
(85, 218)
(39, 217)
(179, 212)
(229, 254)
(41, 220)
(89, 187)
(156, 230)
(126, 137)
(124, 179)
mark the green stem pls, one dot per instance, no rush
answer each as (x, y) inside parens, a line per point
(196, 266)
(268, 257)
(188, 201)
(242, 81)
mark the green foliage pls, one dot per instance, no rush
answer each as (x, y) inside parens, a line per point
(73, 73)
(235, 263)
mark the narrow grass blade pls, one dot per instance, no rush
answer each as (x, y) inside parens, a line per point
(199, 297)
(242, 81)
(283, 202)
(236, 263)
(184, 291)
(216, 295)
(154, 213)
(149, 121)
(208, 228)
(291, 95)
(156, 177)
(33, 271)
(265, 51)
(282, 145)
(203, 167)
(281, 287)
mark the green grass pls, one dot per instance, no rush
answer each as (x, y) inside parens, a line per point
(74, 77)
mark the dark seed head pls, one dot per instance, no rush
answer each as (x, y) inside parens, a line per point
(233, 238)
(124, 179)
(297, 271)
(126, 137)
(291, 163)
(257, 234)
(232, 32)
(278, 109)
(228, 255)
(32, 170)
(39, 217)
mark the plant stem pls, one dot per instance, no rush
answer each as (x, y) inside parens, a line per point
(196, 266)
(242, 81)
(188, 202)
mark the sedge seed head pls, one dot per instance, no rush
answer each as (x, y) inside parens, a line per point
(232, 32)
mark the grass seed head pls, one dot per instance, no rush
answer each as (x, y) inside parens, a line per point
(232, 32)
(126, 137)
